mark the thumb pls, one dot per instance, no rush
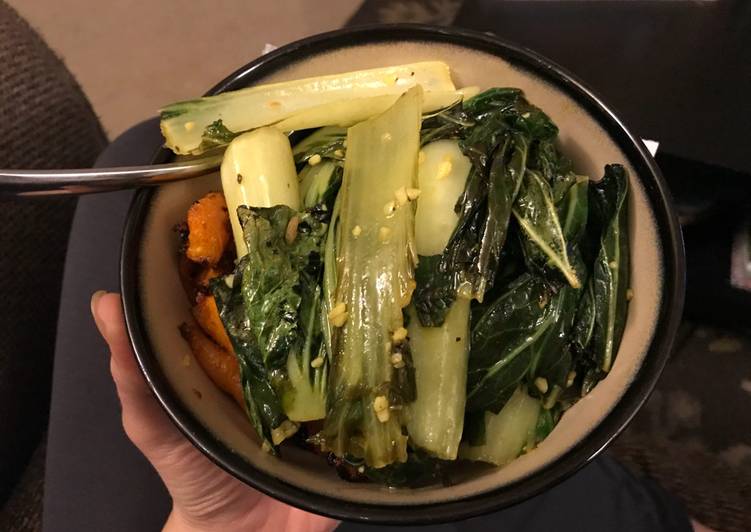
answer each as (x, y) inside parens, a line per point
(144, 421)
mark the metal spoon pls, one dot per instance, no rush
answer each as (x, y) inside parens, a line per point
(87, 181)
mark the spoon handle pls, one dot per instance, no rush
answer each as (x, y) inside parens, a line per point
(91, 180)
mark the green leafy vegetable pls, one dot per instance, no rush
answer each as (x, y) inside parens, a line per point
(495, 130)
(500, 353)
(326, 142)
(434, 292)
(515, 308)
(419, 470)
(508, 432)
(602, 315)
(538, 217)
(435, 418)
(374, 283)
(282, 299)
(262, 403)
(319, 185)
(339, 99)
(258, 171)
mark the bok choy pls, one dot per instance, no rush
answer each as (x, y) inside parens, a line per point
(193, 126)
(371, 370)
(422, 278)
(439, 350)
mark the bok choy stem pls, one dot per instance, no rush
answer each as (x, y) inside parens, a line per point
(436, 417)
(258, 171)
(192, 127)
(374, 283)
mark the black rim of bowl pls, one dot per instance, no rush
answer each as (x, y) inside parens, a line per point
(591, 445)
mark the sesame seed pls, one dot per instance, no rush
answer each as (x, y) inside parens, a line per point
(541, 383)
(413, 193)
(314, 159)
(356, 231)
(381, 408)
(399, 335)
(338, 315)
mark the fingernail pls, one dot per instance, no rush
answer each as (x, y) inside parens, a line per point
(95, 297)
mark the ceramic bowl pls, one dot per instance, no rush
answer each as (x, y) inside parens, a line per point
(590, 133)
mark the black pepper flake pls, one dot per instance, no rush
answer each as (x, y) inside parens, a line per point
(239, 178)
(458, 338)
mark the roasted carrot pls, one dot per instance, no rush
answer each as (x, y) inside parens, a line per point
(188, 271)
(208, 229)
(207, 315)
(220, 366)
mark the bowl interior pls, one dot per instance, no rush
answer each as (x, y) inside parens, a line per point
(164, 305)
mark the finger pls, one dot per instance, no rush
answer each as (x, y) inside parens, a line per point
(144, 421)
(107, 312)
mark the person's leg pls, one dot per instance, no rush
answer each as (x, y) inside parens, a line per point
(95, 478)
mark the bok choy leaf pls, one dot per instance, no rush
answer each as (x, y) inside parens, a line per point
(602, 313)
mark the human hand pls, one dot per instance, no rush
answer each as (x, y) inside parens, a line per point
(204, 497)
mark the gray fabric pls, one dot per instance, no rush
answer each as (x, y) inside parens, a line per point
(22, 512)
(46, 122)
(95, 478)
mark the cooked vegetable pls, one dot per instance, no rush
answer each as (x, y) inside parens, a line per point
(439, 350)
(258, 171)
(603, 312)
(495, 130)
(507, 432)
(439, 354)
(219, 364)
(403, 307)
(281, 296)
(443, 171)
(537, 216)
(208, 229)
(193, 126)
(207, 316)
(326, 142)
(262, 403)
(376, 256)
(552, 356)
(500, 356)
